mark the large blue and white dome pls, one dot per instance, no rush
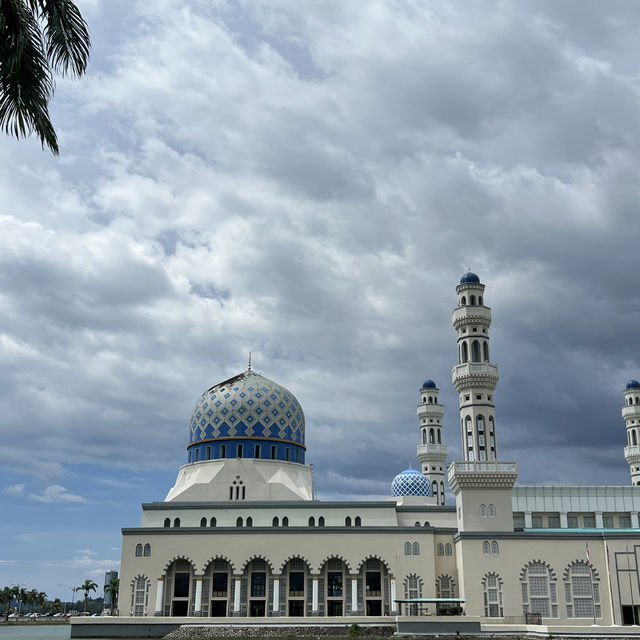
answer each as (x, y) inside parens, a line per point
(633, 384)
(411, 483)
(247, 416)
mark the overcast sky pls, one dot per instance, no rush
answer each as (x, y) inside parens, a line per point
(308, 181)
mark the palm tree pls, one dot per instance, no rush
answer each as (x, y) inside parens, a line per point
(113, 587)
(89, 585)
(37, 38)
(6, 596)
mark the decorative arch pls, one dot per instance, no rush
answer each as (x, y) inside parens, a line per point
(147, 550)
(257, 556)
(413, 586)
(335, 556)
(140, 586)
(475, 351)
(445, 586)
(219, 556)
(538, 583)
(374, 556)
(179, 557)
(582, 590)
(293, 556)
(139, 550)
(492, 588)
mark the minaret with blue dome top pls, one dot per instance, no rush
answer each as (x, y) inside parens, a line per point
(631, 417)
(432, 452)
(474, 377)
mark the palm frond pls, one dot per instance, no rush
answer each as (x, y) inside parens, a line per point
(26, 82)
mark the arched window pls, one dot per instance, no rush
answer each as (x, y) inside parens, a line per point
(430, 400)
(634, 439)
(407, 548)
(445, 587)
(495, 549)
(491, 511)
(439, 436)
(213, 522)
(138, 551)
(347, 521)
(249, 521)
(285, 521)
(492, 587)
(486, 548)
(416, 549)
(424, 436)
(312, 521)
(167, 522)
(275, 522)
(475, 351)
(417, 524)
(358, 521)
(413, 590)
(465, 352)
(539, 593)
(440, 549)
(147, 550)
(447, 549)
(480, 300)
(434, 488)
(139, 596)
(176, 522)
(485, 348)
(582, 590)
(463, 300)
(483, 510)
(238, 522)
(432, 437)
(203, 522)
(321, 521)
(472, 300)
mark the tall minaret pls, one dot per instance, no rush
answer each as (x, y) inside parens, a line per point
(631, 417)
(431, 452)
(474, 377)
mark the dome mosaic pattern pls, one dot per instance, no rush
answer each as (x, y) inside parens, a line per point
(247, 406)
(469, 277)
(411, 483)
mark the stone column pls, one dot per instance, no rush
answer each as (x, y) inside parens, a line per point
(276, 597)
(236, 596)
(634, 521)
(198, 603)
(314, 595)
(528, 524)
(393, 604)
(599, 522)
(354, 594)
(159, 597)
(563, 521)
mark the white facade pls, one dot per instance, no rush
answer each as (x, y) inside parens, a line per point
(240, 533)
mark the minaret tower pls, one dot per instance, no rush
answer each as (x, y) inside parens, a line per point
(474, 377)
(631, 417)
(432, 453)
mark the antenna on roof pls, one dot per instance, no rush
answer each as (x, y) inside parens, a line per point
(249, 369)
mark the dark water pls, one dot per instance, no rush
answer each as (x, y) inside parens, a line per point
(35, 632)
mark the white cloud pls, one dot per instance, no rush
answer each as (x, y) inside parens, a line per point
(14, 490)
(56, 493)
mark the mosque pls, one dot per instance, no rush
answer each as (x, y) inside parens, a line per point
(242, 534)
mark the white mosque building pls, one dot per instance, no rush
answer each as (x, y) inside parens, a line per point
(241, 533)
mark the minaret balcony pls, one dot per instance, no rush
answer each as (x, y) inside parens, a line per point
(432, 451)
(631, 412)
(632, 454)
(474, 475)
(475, 373)
(472, 315)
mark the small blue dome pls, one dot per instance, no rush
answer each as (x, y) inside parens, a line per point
(411, 483)
(429, 384)
(633, 384)
(469, 277)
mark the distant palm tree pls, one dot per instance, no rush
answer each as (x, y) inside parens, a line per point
(6, 596)
(113, 587)
(37, 38)
(89, 585)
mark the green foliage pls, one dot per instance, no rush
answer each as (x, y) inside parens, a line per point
(355, 630)
(86, 587)
(37, 38)
(113, 587)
